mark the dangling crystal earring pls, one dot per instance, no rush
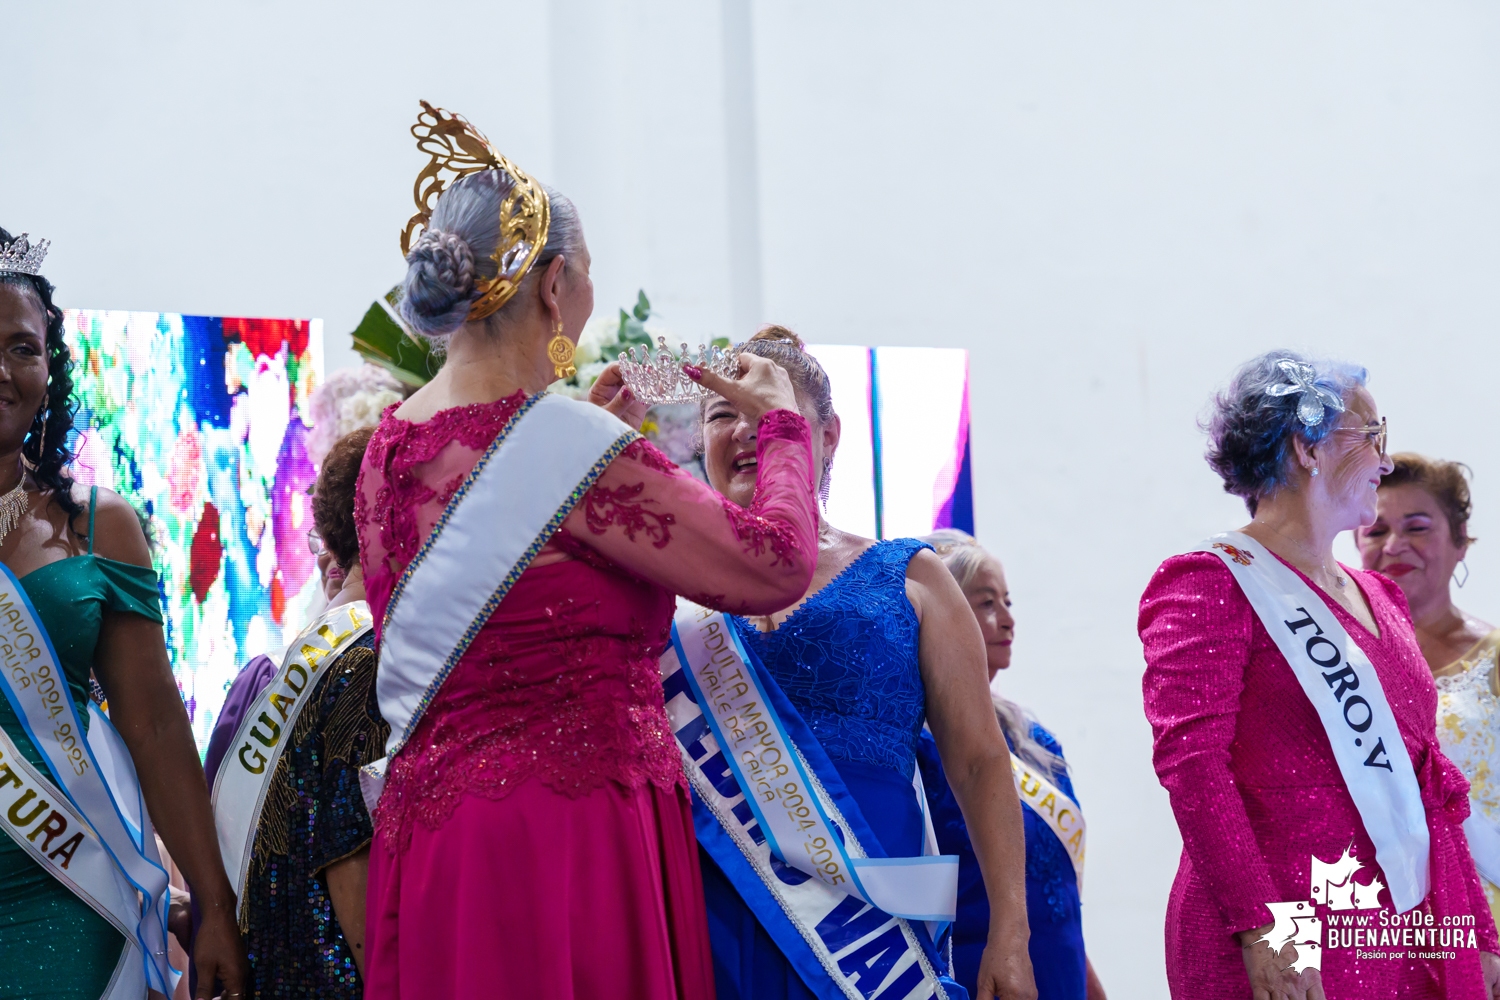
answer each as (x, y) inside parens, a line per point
(823, 486)
(1315, 470)
(1465, 564)
(38, 435)
(560, 353)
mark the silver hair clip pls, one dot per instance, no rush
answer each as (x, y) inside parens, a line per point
(22, 257)
(1316, 400)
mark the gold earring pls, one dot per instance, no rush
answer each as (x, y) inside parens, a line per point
(560, 353)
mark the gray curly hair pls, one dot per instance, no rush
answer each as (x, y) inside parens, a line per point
(1254, 420)
(964, 558)
(457, 250)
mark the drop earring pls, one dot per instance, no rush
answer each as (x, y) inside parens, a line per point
(560, 353)
(1315, 470)
(824, 484)
(1465, 564)
(35, 439)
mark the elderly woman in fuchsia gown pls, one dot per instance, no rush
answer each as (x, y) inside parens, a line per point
(1260, 781)
(534, 838)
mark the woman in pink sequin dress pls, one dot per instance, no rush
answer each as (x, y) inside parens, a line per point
(534, 838)
(1241, 750)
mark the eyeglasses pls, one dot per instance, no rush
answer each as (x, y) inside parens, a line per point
(1375, 434)
(315, 542)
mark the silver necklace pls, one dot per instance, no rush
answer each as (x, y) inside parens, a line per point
(12, 507)
(1339, 579)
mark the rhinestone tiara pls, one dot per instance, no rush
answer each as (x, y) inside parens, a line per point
(20, 256)
(656, 376)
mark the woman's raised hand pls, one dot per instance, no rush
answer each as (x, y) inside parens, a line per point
(763, 386)
(610, 391)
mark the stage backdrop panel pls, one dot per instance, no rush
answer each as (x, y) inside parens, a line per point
(903, 458)
(198, 421)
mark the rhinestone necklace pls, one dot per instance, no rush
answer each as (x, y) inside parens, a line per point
(12, 507)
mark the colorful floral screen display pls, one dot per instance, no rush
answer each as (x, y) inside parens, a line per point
(199, 421)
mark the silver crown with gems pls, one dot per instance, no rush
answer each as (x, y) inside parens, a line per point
(656, 376)
(21, 257)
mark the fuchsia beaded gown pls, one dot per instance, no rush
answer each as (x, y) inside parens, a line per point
(1257, 792)
(535, 838)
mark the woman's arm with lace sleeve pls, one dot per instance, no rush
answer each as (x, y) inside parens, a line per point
(653, 519)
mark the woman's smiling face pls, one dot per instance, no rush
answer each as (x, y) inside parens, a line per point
(729, 447)
(1410, 542)
(989, 597)
(23, 363)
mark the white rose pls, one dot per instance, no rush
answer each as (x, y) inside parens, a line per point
(598, 334)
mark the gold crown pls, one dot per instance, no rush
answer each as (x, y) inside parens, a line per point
(458, 149)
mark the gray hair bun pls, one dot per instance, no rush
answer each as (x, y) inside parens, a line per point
(439, 285)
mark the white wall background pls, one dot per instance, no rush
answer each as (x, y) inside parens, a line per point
(1108, 204)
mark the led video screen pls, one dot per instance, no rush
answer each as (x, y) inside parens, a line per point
(902, 467)
(198, 421)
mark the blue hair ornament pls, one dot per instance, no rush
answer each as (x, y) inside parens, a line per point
(1316, 400)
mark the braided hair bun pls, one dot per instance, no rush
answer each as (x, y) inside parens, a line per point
(439, 286)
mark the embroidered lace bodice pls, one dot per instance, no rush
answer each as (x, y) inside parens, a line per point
(562, 682)
(847, 659)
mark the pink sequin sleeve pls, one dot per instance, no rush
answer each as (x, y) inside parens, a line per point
(1196, 628)
(654, 520)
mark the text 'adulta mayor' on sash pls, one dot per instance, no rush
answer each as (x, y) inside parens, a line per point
(92, 790)
(772, 811)
(523, 487)
(1342, 685)
(244, 777)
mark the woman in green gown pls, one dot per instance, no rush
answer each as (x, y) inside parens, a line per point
(83, 560)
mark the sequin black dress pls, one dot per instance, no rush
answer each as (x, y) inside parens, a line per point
(313, 817)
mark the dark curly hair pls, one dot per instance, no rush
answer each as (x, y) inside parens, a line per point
(46, 445)
(1250, 431)
(333, 496)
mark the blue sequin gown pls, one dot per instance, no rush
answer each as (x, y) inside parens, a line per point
(1052, 904)
(847, 660)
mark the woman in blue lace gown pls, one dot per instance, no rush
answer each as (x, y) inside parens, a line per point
(1063, 971)
(882, 643)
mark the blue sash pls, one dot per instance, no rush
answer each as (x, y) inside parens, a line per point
(94, 771)
(842, 947)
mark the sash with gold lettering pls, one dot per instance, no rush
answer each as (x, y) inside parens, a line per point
(55, 835)
(1055, 808)
(91, 789)
(245, 776)
(772, 811)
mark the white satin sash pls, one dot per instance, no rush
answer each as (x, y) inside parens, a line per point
(244, 777)
(1343, 687)
(792, 809)
(522, 488)
(45, 825)
(92, 771)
